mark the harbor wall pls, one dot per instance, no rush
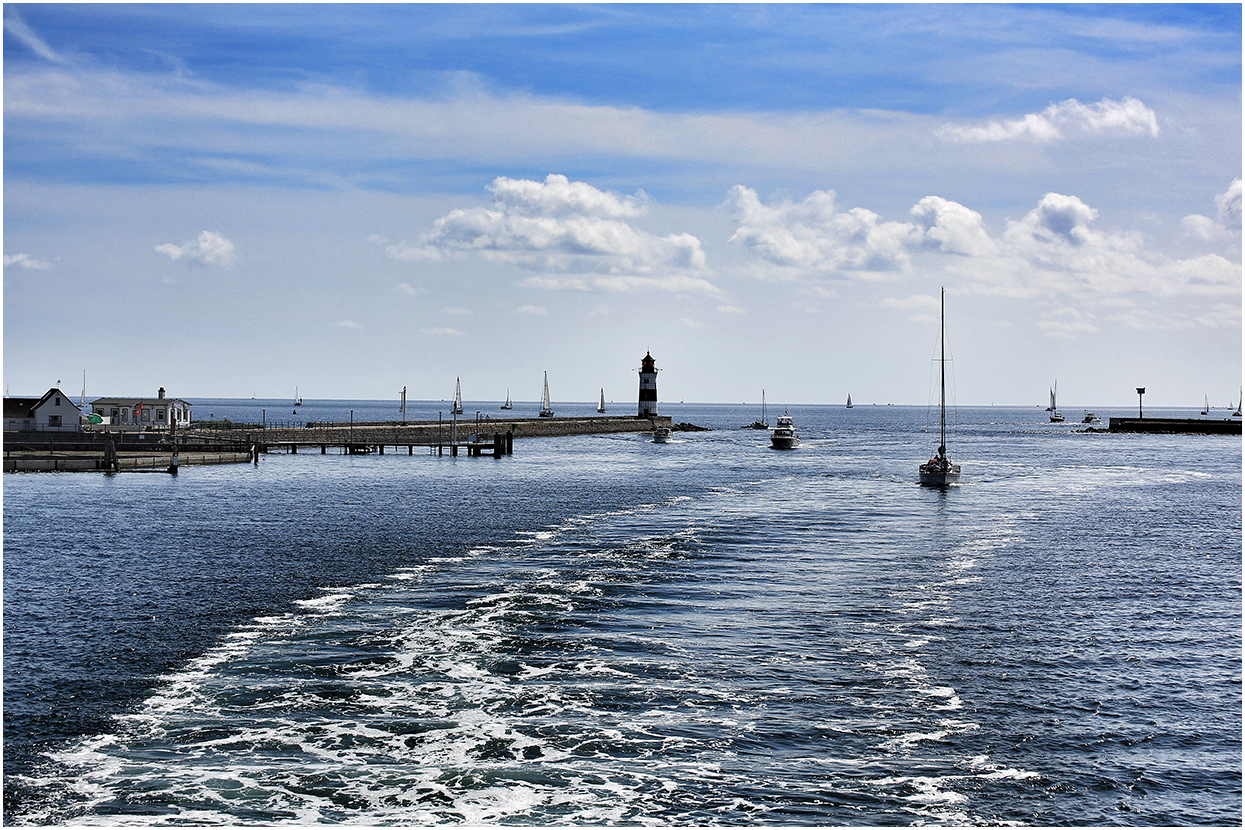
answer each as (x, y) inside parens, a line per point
(1190, 426)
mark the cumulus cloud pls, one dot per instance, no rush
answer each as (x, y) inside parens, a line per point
(570, 230)
(814, 234)
(211, 248)
(1125, 117)
(348, 324)
(1053, 252)
(408, 289)
(26, 261)
(1225, 229)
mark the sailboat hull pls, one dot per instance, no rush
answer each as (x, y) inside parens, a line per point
(934, 474)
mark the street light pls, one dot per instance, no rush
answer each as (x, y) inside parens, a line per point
(1141, 390)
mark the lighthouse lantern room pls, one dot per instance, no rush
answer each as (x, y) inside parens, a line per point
(648, 386)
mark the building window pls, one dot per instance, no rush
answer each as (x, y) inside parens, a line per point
(146, 415)
(54, 420)
(159, 414)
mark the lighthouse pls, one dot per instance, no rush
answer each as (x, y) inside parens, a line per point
(648, 387)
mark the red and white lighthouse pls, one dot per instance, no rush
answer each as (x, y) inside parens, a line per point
(648, 386)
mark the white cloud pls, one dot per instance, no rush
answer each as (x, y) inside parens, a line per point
(534, 310)
(731, 309)
(815, 235)
(1053, 251)
(1125, 117)
(441, 332)
(955, 228)
(411, 290)
(1229, 203)
(456, 311)
(561, 227)
(211, 248)
(348, 324)
(14, 25)
(26, 261)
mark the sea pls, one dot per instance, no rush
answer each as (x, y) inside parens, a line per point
(606, 630)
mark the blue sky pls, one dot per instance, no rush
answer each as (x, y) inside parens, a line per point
(236, 199)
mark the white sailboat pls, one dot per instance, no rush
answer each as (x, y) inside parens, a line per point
(764, 422)
(1055, 415)
(1237, 412)
(601, 405)
(298, 401)
(849, 401)
(1206, 405)
(507, 404)
(458, 398)
(939, 471)
(546, 411)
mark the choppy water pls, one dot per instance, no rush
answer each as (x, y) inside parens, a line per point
(606, 630)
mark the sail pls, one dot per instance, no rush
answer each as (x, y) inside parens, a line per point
(545, 409)
(458, 397)
(849, 401)
(601, 405)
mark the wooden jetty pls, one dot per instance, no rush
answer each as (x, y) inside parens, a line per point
(114, 452)
(486, 436)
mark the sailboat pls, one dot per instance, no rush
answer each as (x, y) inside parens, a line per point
(507, 404)
(601, 405)
(1237, 412)
(939, 471)
(764, 422)
(297, 400)
(849, 401)
(1206, 405)
(1056, 416)
(546, 411)
(458, 397)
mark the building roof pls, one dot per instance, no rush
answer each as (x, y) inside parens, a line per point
(136, 401)
(25, 407)
(20, 407)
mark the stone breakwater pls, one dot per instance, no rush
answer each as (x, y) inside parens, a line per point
(432, 433)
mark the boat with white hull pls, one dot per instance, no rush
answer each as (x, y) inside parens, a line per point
(784, 436)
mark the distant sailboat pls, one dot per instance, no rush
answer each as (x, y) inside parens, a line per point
(1206, 405)
(458, 397)
(939, 471)
(849, 401)
(601, 405)
(764, 422)
(546, 411)
(507, 404)
(1056, 416)
(297, 400)
(1237, 413)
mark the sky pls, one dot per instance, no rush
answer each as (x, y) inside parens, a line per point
(345, 199)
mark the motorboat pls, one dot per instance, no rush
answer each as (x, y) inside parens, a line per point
(784, 436)
(939, 471)
(1091, 418)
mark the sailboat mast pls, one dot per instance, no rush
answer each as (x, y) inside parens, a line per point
(942, 366)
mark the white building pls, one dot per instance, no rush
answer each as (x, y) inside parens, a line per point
(54, 412)
(143, 413)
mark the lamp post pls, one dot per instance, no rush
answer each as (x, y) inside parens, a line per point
(1141, 390)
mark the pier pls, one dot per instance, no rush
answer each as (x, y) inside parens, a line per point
(485, 436)
(123, 451)
(1188, 426)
